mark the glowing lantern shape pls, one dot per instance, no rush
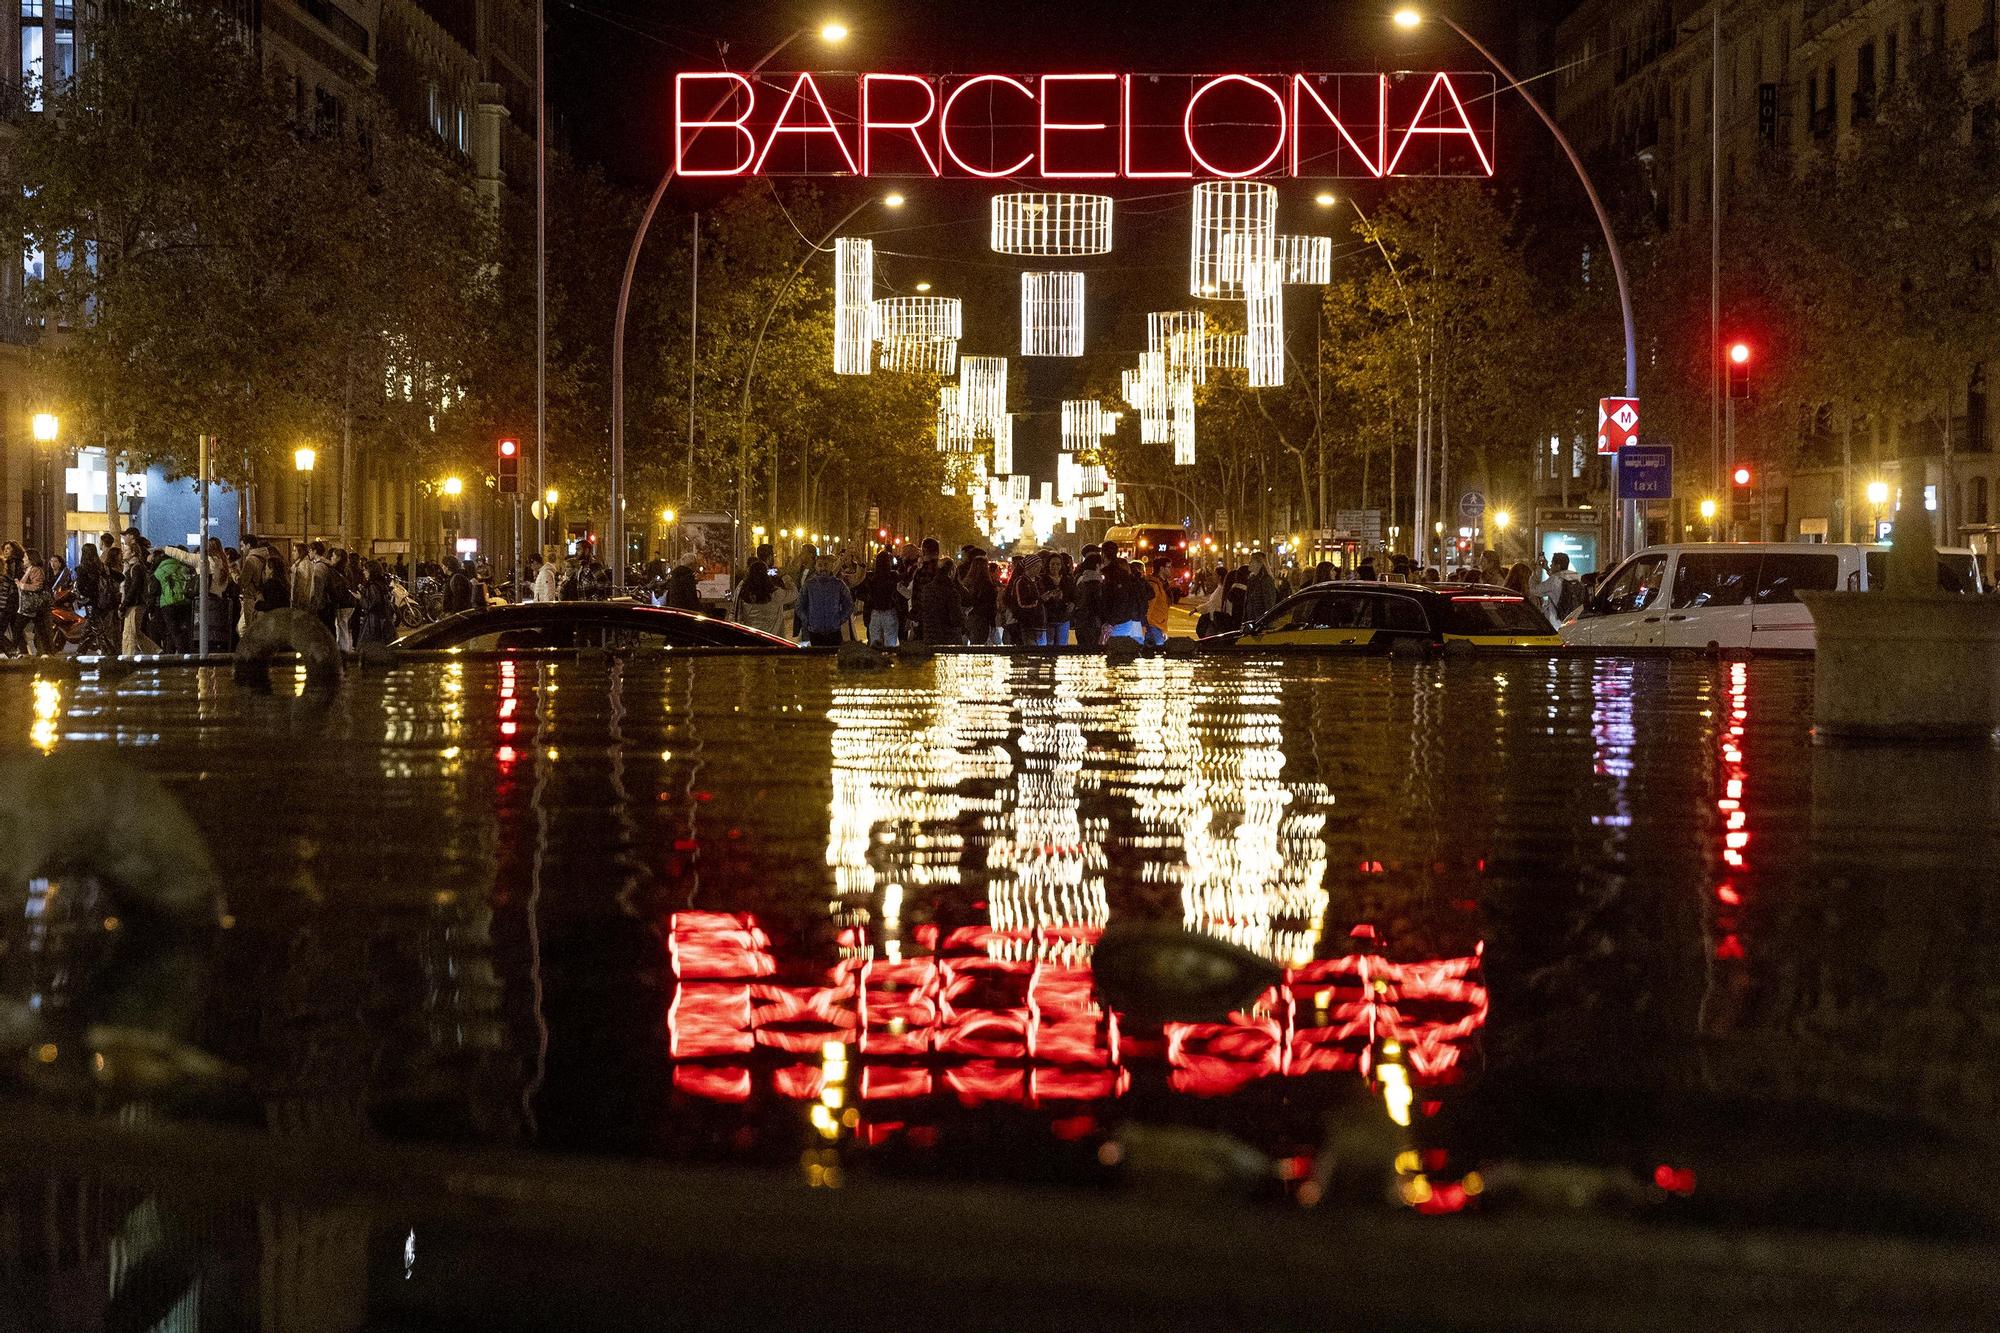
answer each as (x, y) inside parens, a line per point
(1179, 334)
(1091, 480)
(1003, 444)
(927, 317)
(1306, 260)
(1225, 351)
(853, 287)
(1108, 425)
(1082, 424)
(1235, 225)
(982, 392)
(1146, 390)
(936, 356)
(954, 430)
(1052, 224)
(1181, 423)
(1264, 350)
(1052, 314)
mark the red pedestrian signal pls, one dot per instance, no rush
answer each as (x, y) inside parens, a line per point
(509, 467)
(1737, 369)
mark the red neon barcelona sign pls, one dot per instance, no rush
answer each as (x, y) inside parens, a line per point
(1084, 126)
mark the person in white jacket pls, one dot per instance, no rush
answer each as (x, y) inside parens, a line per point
(548, 581)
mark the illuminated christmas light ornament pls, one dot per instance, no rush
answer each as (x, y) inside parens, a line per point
(1082, 424)
(928, 317)
(936, 356)
(1181, 423)
(1264, 350)
(1225, 351)
(1003, 444)
(1091, 480)
(1179, 333)
(982, 392)
(1052, 314)
(1235, 226)
(1052, 224)
(954, 430)
(1146, 390)
(1306, 260)
(853, 288)
(1108, 425)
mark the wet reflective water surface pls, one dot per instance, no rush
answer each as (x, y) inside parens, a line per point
(1614, 926)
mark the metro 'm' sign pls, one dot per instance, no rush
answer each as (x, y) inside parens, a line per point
(1084, 126)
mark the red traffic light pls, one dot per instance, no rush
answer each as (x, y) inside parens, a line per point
(1741, 476)
(508, 448)
(508, 469)
(1739, 353)
(881, 534)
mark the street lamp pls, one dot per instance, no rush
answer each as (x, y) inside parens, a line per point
(451, 488)
(46, 428)
(303, 459)
(1409, 18)
(1709, 509)
(1878, 498)
(1501, 518)
(832, 32)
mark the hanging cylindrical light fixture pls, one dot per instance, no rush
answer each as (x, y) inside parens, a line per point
(1307, 261)
(1082, 424)
(917, 317)
(982, 384)
(1181, 423)
(1052, 314)
(1264, 350)
(1235, 222)
(1003, 443)
(1224, 351)
(1179, 334)
(1052, 224)
(1146, 390)
(936, 356)
(853, 288)
(954, 430)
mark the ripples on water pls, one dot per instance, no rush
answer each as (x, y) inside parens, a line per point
(733, 908)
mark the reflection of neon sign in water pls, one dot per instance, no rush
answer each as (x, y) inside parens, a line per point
(960, 1020)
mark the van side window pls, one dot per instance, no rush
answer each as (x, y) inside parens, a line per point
(1718, 578)
(1636, 587)
(1784, 575)
(1400, 614)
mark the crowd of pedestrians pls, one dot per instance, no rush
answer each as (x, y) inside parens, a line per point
(127, 596)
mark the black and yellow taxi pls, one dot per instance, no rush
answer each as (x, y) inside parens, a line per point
(1380, 616)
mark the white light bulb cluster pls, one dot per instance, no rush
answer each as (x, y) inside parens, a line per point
(1235, 225)
(918, 333)
(1264, 317)
(1307, 261)
(1179, 334)
(1181, 422)
(1082, 424)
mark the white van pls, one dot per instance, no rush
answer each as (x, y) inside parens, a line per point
(1734, 594)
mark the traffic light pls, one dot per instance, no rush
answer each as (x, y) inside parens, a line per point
(509, 467)
(882, 535)
(1736, 364)
(1742, 479)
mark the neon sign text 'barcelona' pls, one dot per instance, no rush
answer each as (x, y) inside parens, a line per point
(1084, 126)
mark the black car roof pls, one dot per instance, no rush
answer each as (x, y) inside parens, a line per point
(635, 613)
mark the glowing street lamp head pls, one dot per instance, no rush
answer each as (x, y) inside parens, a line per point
(1708, 510)
(1325, 199)
(551, 497)
(833, 32)
(1878, 493)
(1407, 18)
(304, 457)
(46, 427)
(1501, 518)
(923, 286)
(453, 487)
(893, 201)
(667, 516)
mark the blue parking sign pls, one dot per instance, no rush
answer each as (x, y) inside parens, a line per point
(1646, 472)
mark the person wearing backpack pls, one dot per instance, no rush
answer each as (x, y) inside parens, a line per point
(262, 580)
(1561, 592)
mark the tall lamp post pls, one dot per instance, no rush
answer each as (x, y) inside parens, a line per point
(750, 371)
(1627, 510)
(832, 33)
(47, 429)
(303, 459)
(452, 488)
(1878, 499)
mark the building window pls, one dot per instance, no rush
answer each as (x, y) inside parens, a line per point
(1889, 57)
(62, 38)
(1975, 500)
(31, 51)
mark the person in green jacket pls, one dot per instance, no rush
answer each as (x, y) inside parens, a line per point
(176, 598)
